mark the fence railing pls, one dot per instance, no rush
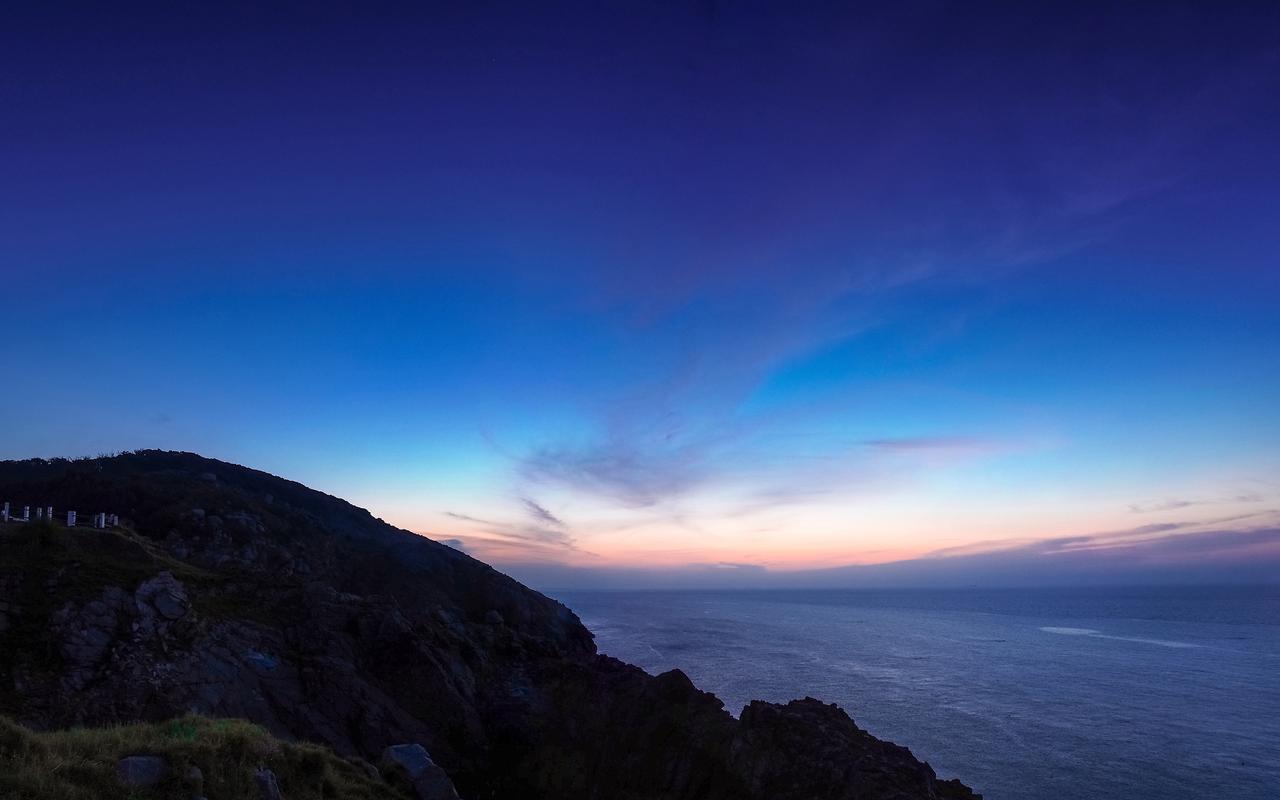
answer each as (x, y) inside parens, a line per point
(100, 520)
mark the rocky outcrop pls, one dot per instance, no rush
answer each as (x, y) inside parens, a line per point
(251, 596)
(428, 780)
(789, 751)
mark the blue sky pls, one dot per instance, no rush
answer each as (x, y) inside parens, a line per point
(669, 292)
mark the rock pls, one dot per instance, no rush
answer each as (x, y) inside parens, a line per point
(86, 634)
(165, 594)
(492, 617)
(268, 786)
(413, 758)
(263, 661)
(428, 780)
(246, 520)
(137, 771)
(195, 781)
(808, 748)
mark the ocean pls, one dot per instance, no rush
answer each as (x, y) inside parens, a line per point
(1069, 694)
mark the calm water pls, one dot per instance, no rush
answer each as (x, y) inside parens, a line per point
(1090, 694)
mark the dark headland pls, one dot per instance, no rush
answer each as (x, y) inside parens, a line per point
(235, 594)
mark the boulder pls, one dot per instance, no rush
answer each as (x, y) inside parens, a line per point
(141, 771)
(429, 781)
(195, 781)
(268, 786)
(165, 594)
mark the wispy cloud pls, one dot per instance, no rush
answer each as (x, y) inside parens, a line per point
(932, 444)
(634, 473)
(1163, 536)
(468, 518)
(738, 566)
(546, 538)
(1172, 505)
(541, 514)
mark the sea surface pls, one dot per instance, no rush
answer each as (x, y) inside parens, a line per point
(1080, 694)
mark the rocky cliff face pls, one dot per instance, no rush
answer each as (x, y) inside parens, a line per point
(238, 594)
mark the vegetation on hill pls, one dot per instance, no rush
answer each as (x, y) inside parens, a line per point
(81, 763)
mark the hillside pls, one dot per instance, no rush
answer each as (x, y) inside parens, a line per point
(237, 594)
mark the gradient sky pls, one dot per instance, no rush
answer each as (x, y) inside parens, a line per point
(663, 294)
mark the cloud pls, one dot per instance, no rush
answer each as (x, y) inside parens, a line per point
(649, 469)
(1157, 534)
(1166, 506)
(931, 444)
(546, 539)
(1172, 505)
(467, 518)
(456, 544)
(540, 513)
(738, 567)
(530, 533)
(634, 473)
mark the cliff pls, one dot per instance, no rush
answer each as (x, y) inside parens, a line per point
(234, 593)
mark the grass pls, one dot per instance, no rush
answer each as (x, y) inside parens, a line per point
(80, 764)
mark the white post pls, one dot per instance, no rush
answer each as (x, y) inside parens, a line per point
(26, 513)
(115, 520)
(4, 513)
(71, 519)
(39, 513)
(101, 520)
(48, 513)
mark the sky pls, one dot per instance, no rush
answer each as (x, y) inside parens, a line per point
(686, 294)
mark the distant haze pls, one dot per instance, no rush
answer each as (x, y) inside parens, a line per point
(1208, 557)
